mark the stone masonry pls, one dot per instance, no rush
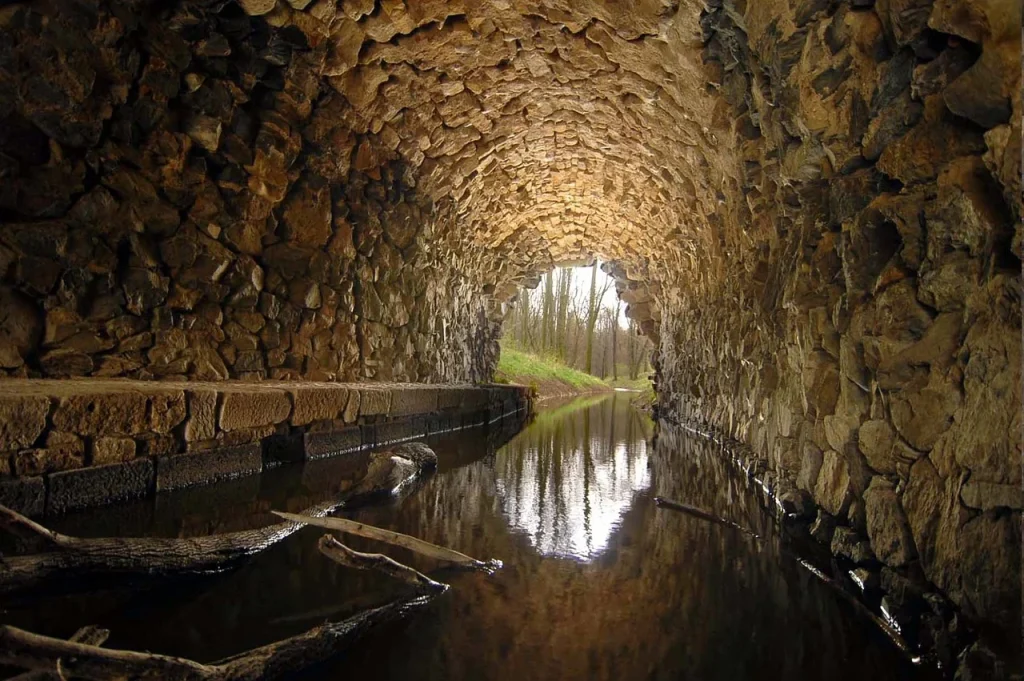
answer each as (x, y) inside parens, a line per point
(813, 207)
(70, 444)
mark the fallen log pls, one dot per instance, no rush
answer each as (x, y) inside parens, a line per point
(81, 657)
(387, 472)
(270, 662)
(90, 635)
(405, 541)
(343, 555)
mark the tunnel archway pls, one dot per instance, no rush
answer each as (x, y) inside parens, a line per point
(815, 206)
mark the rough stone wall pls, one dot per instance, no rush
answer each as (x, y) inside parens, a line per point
(178, 202)
(812, 206)
(865, 331)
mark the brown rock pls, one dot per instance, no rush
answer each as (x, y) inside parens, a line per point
(202, 415)
(832, 489)
(107, 450)
(154, 444)
(144, 290)
(810, 467)
(62, 362)
(876, 440)
(115, 413)
(65, 446)
(374, 401)
(167, 410)
(929, 512)
(933, 142)
(887, 524)
(20, 328)
(318, 404)
(63, 451)
(307, 214)
(305, 294)
(255, 409)
(988, 495)
(205, 131)
(22, 420)
(257, 7)
(989, 559)
(922, 417)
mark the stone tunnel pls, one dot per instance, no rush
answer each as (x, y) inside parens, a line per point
(811, 206)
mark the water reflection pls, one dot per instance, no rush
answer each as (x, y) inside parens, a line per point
(568, 479)
(659, 595)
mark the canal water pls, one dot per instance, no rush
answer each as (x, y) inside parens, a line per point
(598, 582)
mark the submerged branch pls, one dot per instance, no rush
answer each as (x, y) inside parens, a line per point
(405, 541)
(886, 628)
(270, 662)
(82, 657)
(387, 471)
(339, 553)
(704, 515)
(33, 651)
(90, 635)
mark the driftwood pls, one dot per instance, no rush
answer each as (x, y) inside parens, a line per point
(703, 515)
(81, 657)
(274, 661)
(339, 553)
(405, 541)
(387, 472)
(836, 587)
(90, 635)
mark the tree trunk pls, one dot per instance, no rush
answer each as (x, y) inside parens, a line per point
(546, 317)
(562, 316)
(75, 558)
(278, 660)
(591, 319)
(615, 340)
(524, 319)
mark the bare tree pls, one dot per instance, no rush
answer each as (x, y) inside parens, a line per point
(592, 310)
(545, 322)
(562, 311)
(615, 339)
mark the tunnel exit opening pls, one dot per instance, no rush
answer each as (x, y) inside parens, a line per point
(574, 315)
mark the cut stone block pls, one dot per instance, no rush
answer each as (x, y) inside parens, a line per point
(322, 445)
(85, 487)
(187, 470)
(261, 407)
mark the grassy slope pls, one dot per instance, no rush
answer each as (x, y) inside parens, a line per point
(548, 375)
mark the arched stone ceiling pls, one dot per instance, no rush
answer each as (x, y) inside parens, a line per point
(557, 129)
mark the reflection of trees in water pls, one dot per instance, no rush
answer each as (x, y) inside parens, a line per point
(566, 482)
(669, 597)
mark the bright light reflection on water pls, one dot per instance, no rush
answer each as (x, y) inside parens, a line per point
(569, 500)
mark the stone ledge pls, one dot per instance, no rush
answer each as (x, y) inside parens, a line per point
(24, 495)
(188, 470)
(85, 487)
(192, 433)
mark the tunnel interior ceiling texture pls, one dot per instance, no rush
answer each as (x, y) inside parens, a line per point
(212, 189)
(812, 206)
(558, 131)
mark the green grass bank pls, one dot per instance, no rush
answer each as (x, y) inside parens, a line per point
(546, 374)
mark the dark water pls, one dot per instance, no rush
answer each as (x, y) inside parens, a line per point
(598, 583)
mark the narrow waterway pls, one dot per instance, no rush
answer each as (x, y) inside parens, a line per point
(598, 583)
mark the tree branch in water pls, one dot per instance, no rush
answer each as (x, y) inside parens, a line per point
(388, 471)
(404, 541)
(339, 553)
